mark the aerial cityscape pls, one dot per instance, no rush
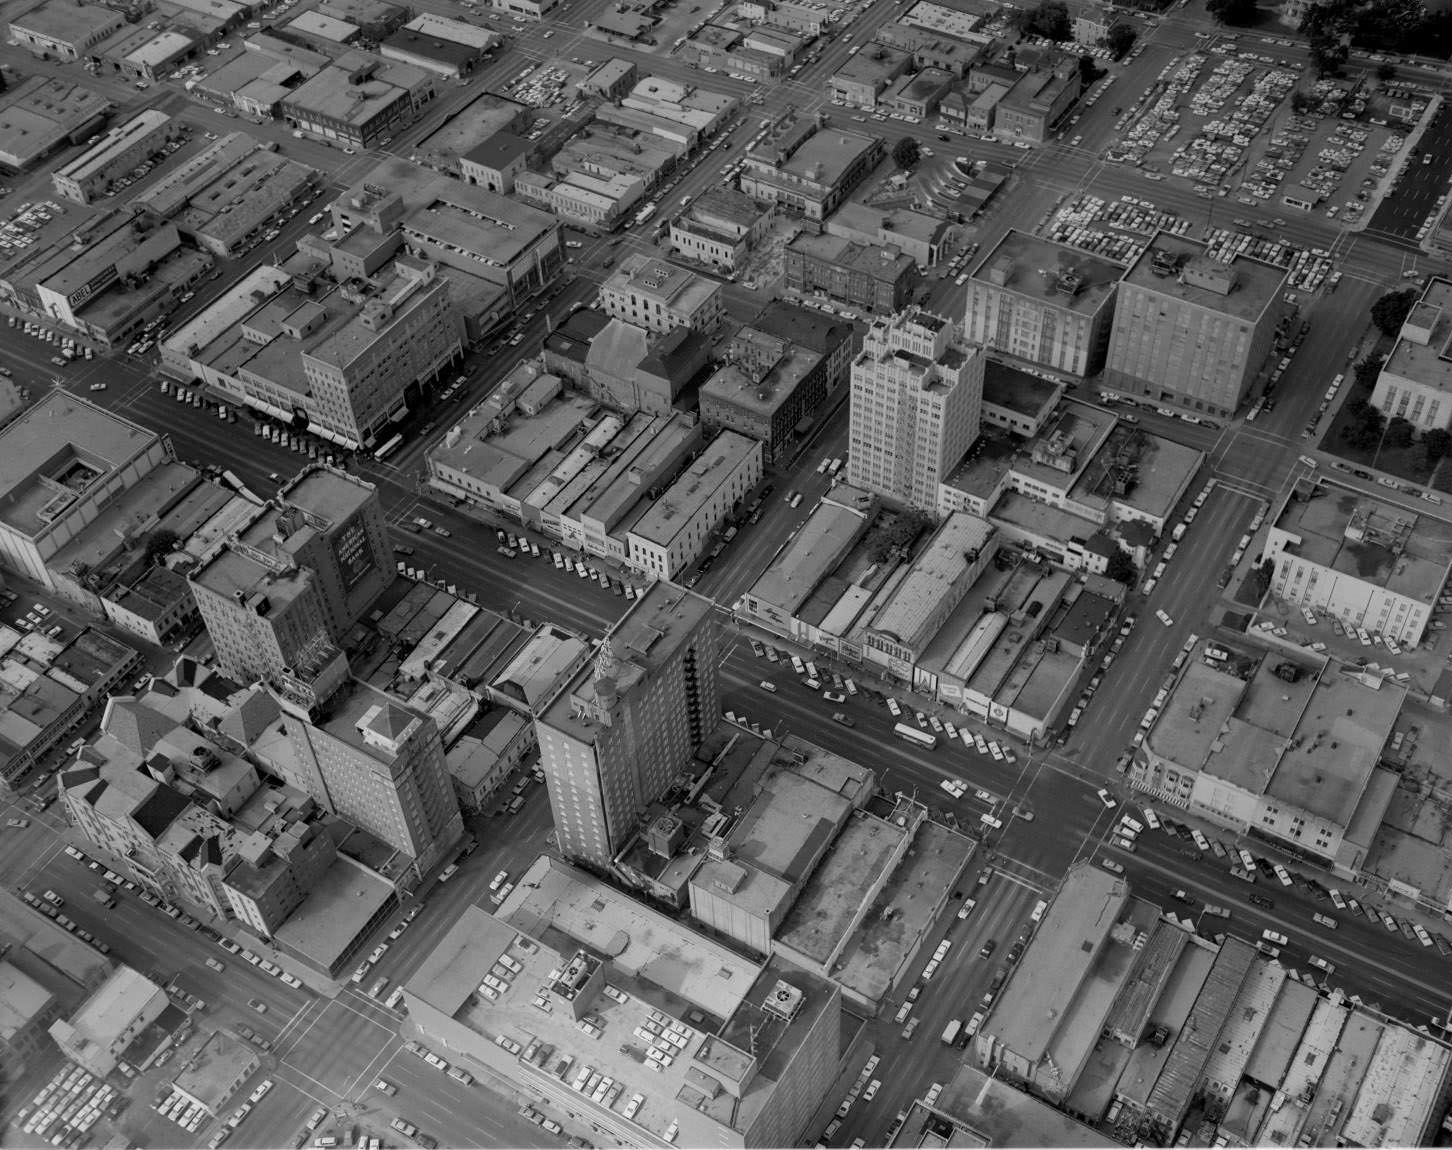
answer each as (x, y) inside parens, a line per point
(725, 573)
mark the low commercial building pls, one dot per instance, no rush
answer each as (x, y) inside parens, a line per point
(1277, 747)
(1037, 102)
(68, 32)
(809, 168)
(495, 163)
(720, 228)
(1044, 303)
(864, 75)
(485, 759)
(42, 114)
(673, 534)
(877, 280)
(61, 464)
(1415, 382)
(452, 48)
(1190, 331)
(226, 196)
(658, 296)
(528, 9)
(359, 99)
(1374, 566)
(216, 1072)
(770, 388)
(95, 171)
(97, 1035)
(754, 1078)
(27, 1010)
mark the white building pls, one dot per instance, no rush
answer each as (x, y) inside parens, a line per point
(917, 394)
(1415, 383)
(1373, 565)
(659, 296)
(672, 534)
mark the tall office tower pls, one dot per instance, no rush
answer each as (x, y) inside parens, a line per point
(309, 563)
(1192, 331)
(917, 392)
(371, 759)
(616, 729)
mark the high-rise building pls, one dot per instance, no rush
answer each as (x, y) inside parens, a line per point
(1043, 302)
(371, 759)
(1191, 331)
(307, 566)
(618, 728)
(917, 394)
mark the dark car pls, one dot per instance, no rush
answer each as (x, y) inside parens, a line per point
(1261, 900)
(988, 948)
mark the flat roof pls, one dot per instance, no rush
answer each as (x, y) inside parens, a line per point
(1016, 390)
(114, 1006)
(56, 452)
(993, 1113)
(824, 157)
(328, 492)
(1195, 714)
(555, 901)
(909, 614)
(787, 825)
(211, 1073)
(1359, 535)
(1253, 285)
(1031, 266)
(1328, 763)
(816, 548)
(339, 904)
(1032, 1006)
(1421, 350)
(677, 508)
(828, 905)
(113, 143)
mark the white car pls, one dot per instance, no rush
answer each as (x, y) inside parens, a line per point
(1109, 801)
(1274, 936)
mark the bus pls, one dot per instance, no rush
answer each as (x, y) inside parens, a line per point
(388, 448)
(914, 736)
(950, 1032)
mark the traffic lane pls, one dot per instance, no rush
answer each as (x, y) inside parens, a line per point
(908, 1068)
(277, 1120)
(334, 1049)
(455, 1114)
(1404, 978)
(1423, 178)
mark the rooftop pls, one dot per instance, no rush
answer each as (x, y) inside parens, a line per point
(644, 639)
(678, 506)
(1380, 543)
(1008, 387)
(325, 927)
(1052, 273)
(1076, 926)
(57, 453)
(1195, 714)
(1177, 267)
(1423, 351)
(812, 553)
(211, 1074)
(823, 158)
(115, 1005)
(909, 614)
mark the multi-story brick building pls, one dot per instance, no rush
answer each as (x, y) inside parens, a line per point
(878, 280)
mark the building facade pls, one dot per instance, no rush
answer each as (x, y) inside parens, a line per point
(917, 393)
(876, 280)
(808, 169)
(1190, 331)
(673, 534)
(1044, 303)
(618, 729)
(659, 296)
(1415, 382)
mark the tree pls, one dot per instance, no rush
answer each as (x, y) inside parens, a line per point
(1120, 39)
(905, 153)
(1386, 71)
(1363, 431)
(1089, 71)
(160, 543)
(1436, 444)
(1049, 20)
(1391, 311)
(1399, 432)
(1366, 371)
(1121, 568)
(1236, 12)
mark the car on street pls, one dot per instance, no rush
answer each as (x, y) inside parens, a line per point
(768, 685)
(1109, 801)
(834, 696)
(1274, 937)
(383, 1086)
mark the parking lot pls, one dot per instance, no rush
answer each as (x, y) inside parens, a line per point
(1417, 195)
(1223, 120)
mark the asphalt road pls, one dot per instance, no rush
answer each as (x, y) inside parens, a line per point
(1422, 180)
